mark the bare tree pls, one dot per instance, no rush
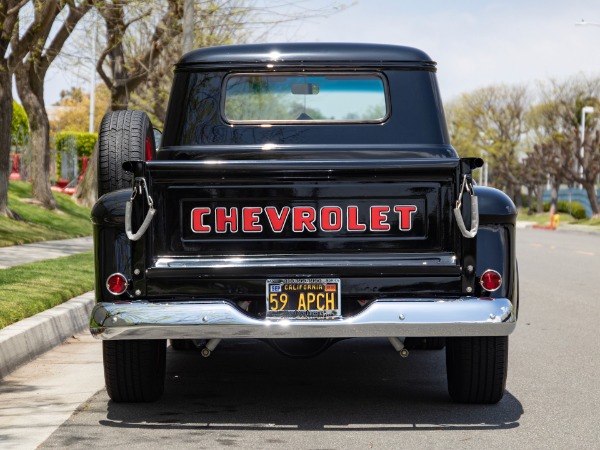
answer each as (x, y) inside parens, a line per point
(128, 71)
(558, 124)
(14, 45)
(215, 23)
(30, 77)
(533, 174)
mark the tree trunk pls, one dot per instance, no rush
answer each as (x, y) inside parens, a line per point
(119, 100)
(5, 131)
(554, 196)
(31, 92)
(116, 27)
(529, 200)
(514, 193)
(87, 189)
(540, 198)
(590, 189)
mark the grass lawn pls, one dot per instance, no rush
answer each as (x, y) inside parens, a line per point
(32, 288)
(42, 225)
(591, 222)
(544, 219)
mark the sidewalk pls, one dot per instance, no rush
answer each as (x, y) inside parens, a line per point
(24, 341)
(40, 251)
(39, 397)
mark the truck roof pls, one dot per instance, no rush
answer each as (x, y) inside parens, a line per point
(306, 53)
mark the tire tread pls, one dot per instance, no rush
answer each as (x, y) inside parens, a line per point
(134, 371)
(477, 368)
(122, 138)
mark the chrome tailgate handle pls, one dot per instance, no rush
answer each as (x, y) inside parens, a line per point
(467, 186)
(139, 185)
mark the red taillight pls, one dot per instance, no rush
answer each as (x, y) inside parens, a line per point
(490, 280)
(148, 149)
(116, 284)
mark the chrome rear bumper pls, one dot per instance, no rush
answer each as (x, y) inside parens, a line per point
(466, 316)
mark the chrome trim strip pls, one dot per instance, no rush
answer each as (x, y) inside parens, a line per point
(440, 260)
(466, 316)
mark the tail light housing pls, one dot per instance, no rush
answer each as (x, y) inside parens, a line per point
(116, 284)
(148, 149)
(490, 280)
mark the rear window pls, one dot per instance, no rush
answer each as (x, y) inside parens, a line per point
(298, 98)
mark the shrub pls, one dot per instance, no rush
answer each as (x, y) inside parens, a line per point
(576, 209)
(20, 123)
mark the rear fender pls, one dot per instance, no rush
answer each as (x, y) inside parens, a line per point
(112, 248)
(496, 242)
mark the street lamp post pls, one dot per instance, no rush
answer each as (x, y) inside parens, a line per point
(93, 76)
(483, 172)
(585, 110)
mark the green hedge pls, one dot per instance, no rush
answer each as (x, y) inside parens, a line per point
(20, 123)
(576, 209)
(83, 142)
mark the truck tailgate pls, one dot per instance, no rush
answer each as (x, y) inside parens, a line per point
(252, 220)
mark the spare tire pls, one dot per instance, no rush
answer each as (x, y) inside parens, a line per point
(124, 136)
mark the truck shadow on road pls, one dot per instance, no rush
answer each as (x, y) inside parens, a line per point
(356, 384)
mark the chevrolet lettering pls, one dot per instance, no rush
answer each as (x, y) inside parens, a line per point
(301, 219)
(300, 194)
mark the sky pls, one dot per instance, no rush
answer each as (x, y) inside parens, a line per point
(476, 43)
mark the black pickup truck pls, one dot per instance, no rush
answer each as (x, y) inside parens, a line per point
(300, 194)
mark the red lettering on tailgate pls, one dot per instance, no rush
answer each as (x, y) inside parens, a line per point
(303, 218)
(353, 224)
(405, 215)
(198, 220)
(224, 220)
(250, 220)
(277, 220)
(379, 218)
(331, 218)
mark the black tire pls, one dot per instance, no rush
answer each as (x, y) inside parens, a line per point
(134, 371)
(424, 343)
(124, 136)
(477, 368)
(182, 344)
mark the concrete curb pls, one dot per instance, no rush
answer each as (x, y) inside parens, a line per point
(23, 341)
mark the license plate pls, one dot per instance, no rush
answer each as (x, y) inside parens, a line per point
(303, 298)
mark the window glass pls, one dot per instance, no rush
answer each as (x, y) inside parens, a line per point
(310, 97)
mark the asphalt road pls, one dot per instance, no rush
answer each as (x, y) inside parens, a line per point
(361, 394)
